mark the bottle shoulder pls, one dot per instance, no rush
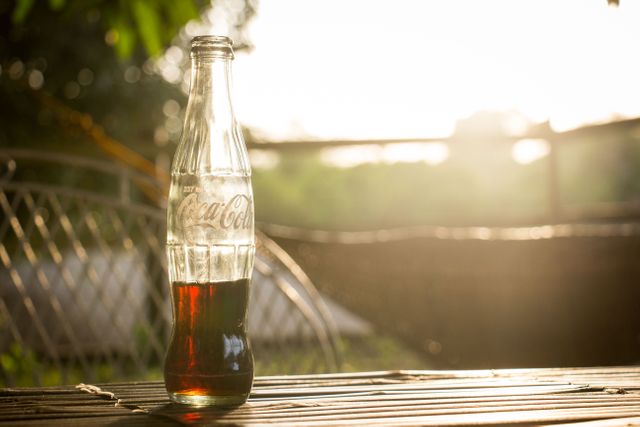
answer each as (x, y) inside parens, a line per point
(215, 155)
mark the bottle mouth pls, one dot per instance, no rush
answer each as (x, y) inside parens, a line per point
(212, 47)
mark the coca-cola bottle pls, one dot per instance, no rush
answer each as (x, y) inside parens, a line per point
(210, 240)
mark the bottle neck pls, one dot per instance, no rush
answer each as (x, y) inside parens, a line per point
(211, 141)
(210, 95)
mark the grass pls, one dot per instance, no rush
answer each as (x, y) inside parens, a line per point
(19, 367)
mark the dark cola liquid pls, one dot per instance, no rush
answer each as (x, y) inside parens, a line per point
(209, 361)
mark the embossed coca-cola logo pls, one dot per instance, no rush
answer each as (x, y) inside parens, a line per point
(235, 214)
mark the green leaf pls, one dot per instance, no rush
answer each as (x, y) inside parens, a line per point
(21, 11)
(180, 13)
(56, 4)
(126, 42)
(120, 22)
(177, 14)
(8, 363)
(148, 25)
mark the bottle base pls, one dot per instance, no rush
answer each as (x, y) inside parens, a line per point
(203, 400)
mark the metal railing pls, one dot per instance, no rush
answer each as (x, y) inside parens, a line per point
(83, 279)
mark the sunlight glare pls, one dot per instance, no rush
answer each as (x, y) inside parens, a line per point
(350, 156)
(527, 151)
(264, 159)
(323, 69)
(431, 153)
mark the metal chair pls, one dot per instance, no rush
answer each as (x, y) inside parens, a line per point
(84, 293)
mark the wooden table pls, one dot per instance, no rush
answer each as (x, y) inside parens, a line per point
(589, 396)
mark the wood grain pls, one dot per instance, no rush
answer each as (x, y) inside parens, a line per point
(590, 396)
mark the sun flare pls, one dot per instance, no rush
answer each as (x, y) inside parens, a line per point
(361, 69)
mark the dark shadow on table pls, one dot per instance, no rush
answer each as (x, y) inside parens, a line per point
(145, 420)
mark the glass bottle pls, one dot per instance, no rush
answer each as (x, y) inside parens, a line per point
(210, 240)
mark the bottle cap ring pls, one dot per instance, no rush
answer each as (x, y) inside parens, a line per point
(212, 47)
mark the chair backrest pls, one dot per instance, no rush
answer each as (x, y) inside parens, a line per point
(84, 293)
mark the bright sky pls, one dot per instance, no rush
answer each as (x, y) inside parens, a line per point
(411, 68)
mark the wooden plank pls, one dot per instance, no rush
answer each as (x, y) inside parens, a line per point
(347, 413)
(425, 415)
(117, 420)
(327, 406)
(523, 396)
(618, 422)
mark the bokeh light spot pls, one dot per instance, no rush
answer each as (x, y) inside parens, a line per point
(85, 77)
(528, 151)
(171, 108)
(160, 136)
(111, 37)
(71, 90)
(16, 69)
(132, 74)
(36, 79)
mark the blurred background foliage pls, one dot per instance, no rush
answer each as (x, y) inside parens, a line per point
(83, 77)
(99, 77)
(106, 79)
(126, 23)
(305, 192)
(597, 177)
(95, 58)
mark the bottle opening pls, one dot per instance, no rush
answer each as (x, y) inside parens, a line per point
(212, 47)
